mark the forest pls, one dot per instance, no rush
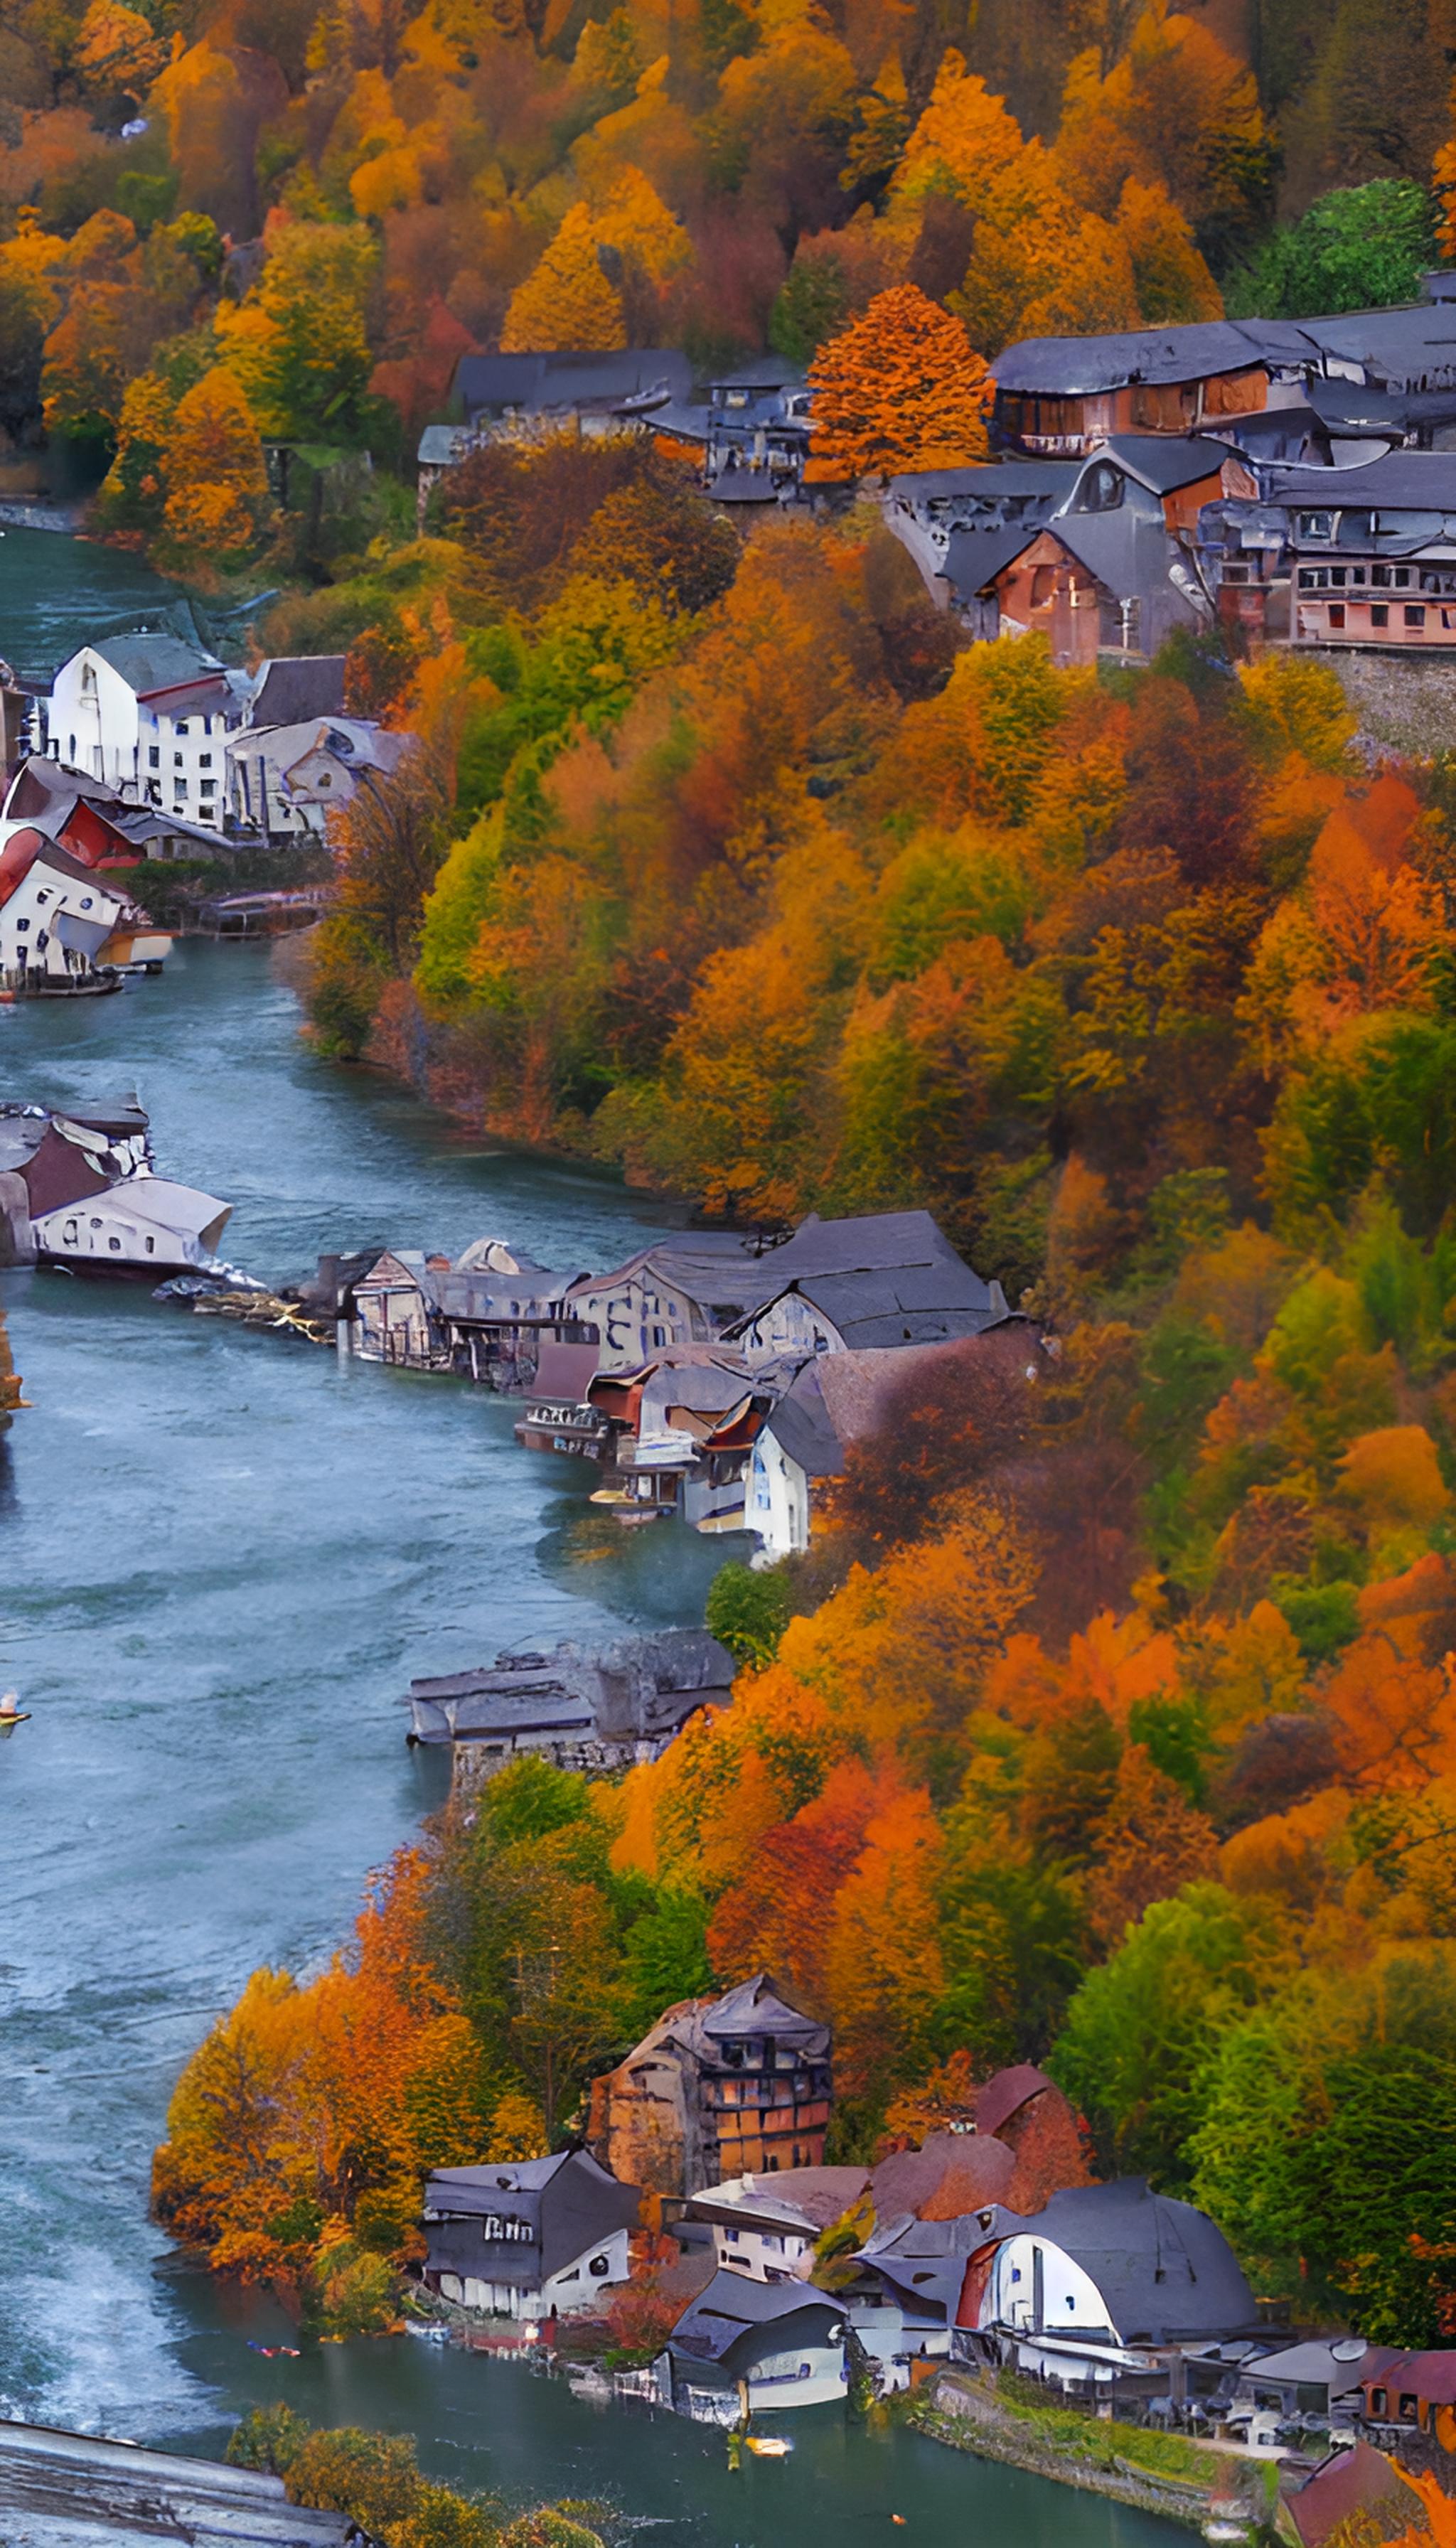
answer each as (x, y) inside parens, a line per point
(244, 242)
(1106, 1722)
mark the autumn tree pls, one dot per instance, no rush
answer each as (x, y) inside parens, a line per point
(218, 505)
(899, 389)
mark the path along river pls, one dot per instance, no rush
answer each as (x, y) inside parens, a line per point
(221, 1557)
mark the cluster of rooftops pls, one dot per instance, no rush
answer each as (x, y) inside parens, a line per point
(714, 1374)
(987, 2245)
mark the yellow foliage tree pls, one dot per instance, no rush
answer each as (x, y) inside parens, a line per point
(118, 48)
(568, 300)
(217, 503)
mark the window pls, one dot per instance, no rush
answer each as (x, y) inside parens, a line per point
(115, 1245)
(1337, 576)
(1377, 2401)
(86, 900)
(1407, 2408)
(1403, 578)
(1315, 526)
(68, 1235)
(22, 924)
(1336, 614)
(204, 760)
(42, 897)
(154, 757)
(210, 787)
(151, 1247)
(1380, 616)
(600, 2265)
(659, 1335)
(177, 760)
(1414, 614)
(1380, 574)
(70, 756)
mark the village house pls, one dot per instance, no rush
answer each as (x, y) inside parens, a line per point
(840, 1397)
(79, 1189)
(1106, 2281)
(487, 1313)
(595, 1710)
(532, 2238)
(716, 2088)
(680, 1433)
(57, 917)
(1363, 556)
(597, 393)
(1408, 2393)
(1319, 2384)
(93, 821)
(749, 2347)
(150, 714)
(285, 780)
(1369, 378)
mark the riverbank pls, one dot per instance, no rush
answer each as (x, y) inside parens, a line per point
(1161, 2473)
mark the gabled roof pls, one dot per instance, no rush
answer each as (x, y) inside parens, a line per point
(296, 688)
(974, 557)
(1353, 2482)
(806, 2199)
(753, 2007)
(569, 2201)
(837, 1398)
(152, 659)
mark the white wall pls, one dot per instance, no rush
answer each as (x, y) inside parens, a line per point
(574, 2287)
(27, 936)
(758, 2254)
(791, 1325)
(777, 1501)
(182, 762)
(1072, 2303)
(93, 719)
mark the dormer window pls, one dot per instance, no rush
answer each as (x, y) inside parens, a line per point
(1317, 527)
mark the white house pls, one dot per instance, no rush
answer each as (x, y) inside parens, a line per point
(528, 2238)
(772, 2345)
(287, 778)
(145, 1225)
(56, 915)
(149, 714)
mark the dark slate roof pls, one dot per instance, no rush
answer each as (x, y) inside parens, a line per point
(296, 688)
(753, 2007)
(1417, 482)
(1166, 461)
(809, 2199)
(541, 382)
(1165, 2271)
(724, 2323)
(925, 2260)
(1080, 366)
(1347, 407)
(804, 1429)
(914, 1305)
(1126, 551)
(1294, 433)
(153, 660)
(40, 784)
(568, 2201)
(991, 478)
(862, 1242)
(974, 557)
(1408, 348)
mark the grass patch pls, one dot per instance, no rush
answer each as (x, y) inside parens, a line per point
(1067, 2430)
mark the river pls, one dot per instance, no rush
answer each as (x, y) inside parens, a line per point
(221, 1558)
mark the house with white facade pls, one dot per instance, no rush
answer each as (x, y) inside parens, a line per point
(56, 916)
(528, 2238)
(286, 779)
(149, 714)
(766, 2345)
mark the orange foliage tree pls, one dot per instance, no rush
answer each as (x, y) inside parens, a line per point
(899, 389)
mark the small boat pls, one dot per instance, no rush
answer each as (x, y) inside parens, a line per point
(769, 2446)
(12, 1713)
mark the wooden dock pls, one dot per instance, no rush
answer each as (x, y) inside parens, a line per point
(76, 2481)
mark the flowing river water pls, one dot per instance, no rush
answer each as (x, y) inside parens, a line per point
(221, 1558)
